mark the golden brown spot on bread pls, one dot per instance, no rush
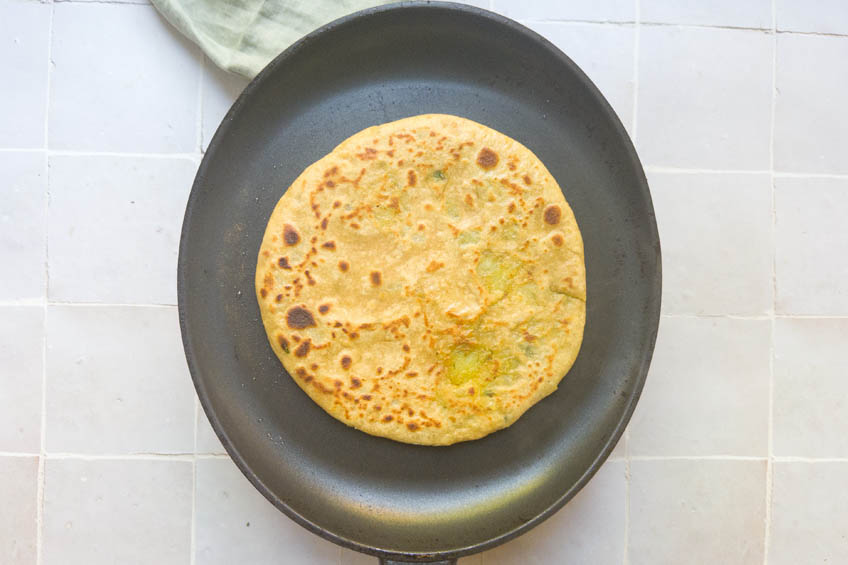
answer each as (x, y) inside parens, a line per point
(290, 235)
(434, 266)
(368, 154)
(412, 426)
(513, 188)
(263, 292)
(526, 179)
(284, 343)
(330, 184)
(406, 347)
(388, 418)
(279, 298)
(299, 317)
(557, 239)
(336, 204)
(331, 245)
(487, 159)
(343, 266)
(355, 383)
(553, 214)
(354, 225)
(331, 171)
(376, 278)
(469, 200)
(324, 308)
(303, 349)
(411, 178)
(511, 207)
(283, 262)
(346, 361)
(324, 223)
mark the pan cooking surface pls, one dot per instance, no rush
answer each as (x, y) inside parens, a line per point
(371, 493)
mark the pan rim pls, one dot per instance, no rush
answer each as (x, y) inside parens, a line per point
(652, 312)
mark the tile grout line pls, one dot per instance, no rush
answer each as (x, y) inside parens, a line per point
(720, 316)
(130, 154)
(792, 175)
(577, 21)
(810, 460)
(627, 480)
(193, 544)
(201, 76)
(112, 2)
(697, 458)
(814, 33)
(777, 174)
(199, 148)
(627, 472)
(127, 456)
(42, 450)
(25, 302)
(770, 460)
(636, 41)
(677, 170)
(764, 30)
(705, 26)
(109, 304)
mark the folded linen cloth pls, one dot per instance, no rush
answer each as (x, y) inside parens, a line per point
(242, 36)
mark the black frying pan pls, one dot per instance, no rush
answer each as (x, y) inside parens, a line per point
(398, 501)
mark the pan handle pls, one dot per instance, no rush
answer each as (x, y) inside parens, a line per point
(393, 562)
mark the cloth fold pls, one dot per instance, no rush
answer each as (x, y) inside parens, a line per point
(242, 36)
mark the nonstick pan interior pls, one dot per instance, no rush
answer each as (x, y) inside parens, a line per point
(374, 494)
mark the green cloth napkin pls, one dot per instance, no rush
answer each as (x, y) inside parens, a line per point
(243, 36)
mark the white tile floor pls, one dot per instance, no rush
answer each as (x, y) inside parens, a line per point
(737, 452)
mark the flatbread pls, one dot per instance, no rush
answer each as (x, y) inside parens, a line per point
(424, 281)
